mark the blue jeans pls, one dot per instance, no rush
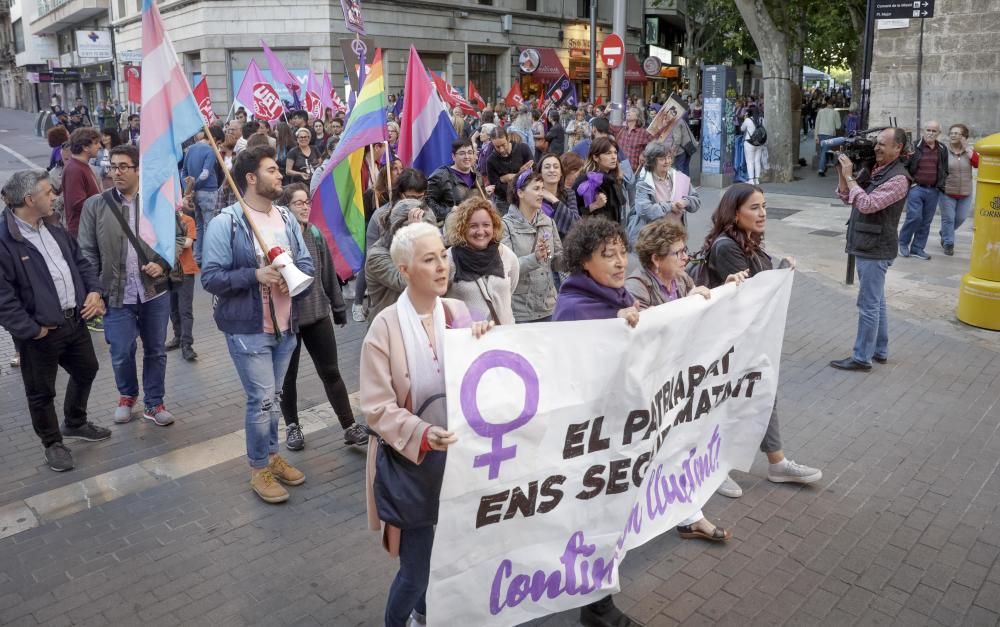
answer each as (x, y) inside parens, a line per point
(953, 214)
(122, 325)
(873, 322)
(409, 588)
(827, 142)
(261, 362)
(204, 211)
(921, 203)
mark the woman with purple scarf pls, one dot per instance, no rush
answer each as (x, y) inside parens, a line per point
(600, 190)
(596, 256)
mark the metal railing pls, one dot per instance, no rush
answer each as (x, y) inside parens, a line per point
(47, 6)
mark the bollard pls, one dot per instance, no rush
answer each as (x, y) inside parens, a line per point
(979, 294)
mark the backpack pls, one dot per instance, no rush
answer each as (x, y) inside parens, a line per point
(759, 135)
(697, 267)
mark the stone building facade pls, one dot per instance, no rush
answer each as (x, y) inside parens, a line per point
(957, 68)
(463, 40)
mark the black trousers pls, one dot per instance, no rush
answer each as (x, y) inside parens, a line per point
(70, 347)
(322, 346)
(182, 309)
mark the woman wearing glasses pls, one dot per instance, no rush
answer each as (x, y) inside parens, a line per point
(302, 159)
(660, 277)
(316, 331)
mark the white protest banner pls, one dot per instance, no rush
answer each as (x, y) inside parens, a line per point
(579, 441)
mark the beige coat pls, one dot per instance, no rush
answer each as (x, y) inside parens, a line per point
(386, 403)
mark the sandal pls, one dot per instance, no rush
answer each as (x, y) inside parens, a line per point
(688, 532)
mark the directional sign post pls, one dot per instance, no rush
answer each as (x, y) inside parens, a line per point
(612, 51)
(898, 9)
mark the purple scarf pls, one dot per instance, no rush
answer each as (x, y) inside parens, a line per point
(590, 188)
(583, 298)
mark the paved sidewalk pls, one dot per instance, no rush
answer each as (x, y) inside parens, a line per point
(903, 528)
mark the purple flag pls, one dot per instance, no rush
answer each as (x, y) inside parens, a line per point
(279, 73)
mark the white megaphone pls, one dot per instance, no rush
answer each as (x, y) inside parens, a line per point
(296, 280)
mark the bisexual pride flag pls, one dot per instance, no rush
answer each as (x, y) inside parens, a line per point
(337, 207)
(169, 117)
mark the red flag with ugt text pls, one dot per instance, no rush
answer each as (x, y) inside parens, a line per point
(450, 96)
(266, 103)
(133, 77)
(204, 101)
(475, 98)
(514, 98)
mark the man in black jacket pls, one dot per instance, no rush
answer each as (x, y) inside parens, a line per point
(928, 167)
(449, 185)
(47, 291)
(871, 238)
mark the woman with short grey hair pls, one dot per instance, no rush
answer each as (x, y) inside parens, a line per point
(657, 191)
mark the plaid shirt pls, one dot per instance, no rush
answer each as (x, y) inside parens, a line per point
(893, 190)
(632, 142)
(224, 198)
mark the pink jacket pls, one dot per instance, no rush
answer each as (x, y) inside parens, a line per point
(386, 403)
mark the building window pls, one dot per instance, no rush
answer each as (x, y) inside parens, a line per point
(121, 9)
(18, 28)
(65, 41)
(583, 8)
(483, 74)
(530, 5)
(486, 2)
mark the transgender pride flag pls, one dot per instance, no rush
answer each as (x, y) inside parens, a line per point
(169, 116)
(426, 132)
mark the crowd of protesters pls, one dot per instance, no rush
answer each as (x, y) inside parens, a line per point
(540, 216)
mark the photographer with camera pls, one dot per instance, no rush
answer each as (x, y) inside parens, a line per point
(872, 239)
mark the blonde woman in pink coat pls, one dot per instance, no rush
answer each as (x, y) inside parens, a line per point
(402, 399)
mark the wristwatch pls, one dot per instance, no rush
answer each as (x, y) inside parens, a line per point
(850, 179)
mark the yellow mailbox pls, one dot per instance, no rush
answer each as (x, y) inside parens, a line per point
(979, 295)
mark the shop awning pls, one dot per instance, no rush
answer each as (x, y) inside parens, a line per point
(550, 67)
(633, 69)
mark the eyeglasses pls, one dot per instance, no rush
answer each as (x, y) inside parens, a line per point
(465, 153)
(121, 168)
(299, 203)
(932, 130)
(678, 254)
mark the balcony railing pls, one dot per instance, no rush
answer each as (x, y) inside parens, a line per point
(47, 6)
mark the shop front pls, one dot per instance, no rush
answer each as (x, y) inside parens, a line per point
(96, 80)
(540, 67)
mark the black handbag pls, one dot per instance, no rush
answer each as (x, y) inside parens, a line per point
(407, 494)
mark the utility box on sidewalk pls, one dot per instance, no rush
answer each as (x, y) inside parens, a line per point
(719, 87)
(979, 295)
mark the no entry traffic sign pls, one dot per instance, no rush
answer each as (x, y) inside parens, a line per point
(612, 51)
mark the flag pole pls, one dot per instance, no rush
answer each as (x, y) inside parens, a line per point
(388, 169)
(239, 197)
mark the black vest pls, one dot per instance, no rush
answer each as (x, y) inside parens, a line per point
(874, 235)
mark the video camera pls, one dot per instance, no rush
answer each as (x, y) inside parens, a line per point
(859, 147)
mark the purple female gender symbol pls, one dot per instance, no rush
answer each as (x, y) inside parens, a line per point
(470, 407)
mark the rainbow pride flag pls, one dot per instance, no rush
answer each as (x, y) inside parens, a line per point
(337, 208)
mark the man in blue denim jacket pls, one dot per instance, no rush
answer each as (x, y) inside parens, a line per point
(254, 310)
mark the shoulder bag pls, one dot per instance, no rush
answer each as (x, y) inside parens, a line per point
(165, 280)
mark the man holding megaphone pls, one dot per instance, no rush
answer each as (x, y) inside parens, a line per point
(256, 308)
